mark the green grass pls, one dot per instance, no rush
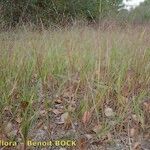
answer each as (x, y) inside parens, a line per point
(98, 68)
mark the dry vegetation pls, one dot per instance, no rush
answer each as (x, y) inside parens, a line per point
(92, 85)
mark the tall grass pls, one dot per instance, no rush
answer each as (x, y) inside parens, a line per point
(100, 68)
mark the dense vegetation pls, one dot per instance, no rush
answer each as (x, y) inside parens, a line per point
(55, 11)
(141, 14)
(138, 15)
(63, 12)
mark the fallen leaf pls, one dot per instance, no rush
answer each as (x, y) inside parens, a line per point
(59, 106)
(88, 136)
(58, 101)
(18, 120)
(132, 132)
(109, 112)
(57, 111)
(39, 125)
(68, 123)
(42, 113)
(147, 105)
(59, 122)
(45, 128)
(109, 135)
(135, 118)
(97, 128)
(136, 146)
(82, 144)
(64, 117)
(86, 117)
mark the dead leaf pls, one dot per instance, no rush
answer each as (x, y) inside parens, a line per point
(88, 136)
(109, 112)
(82, 144)
(97, 128)
(39, 125)
(86, 117)
(42, 113)
(147, 106)
(58, 101)
(136, 146)
(57, 111)
(45, 128)
(18, 120)
(59, 122)
(135, 118)
(64, 117)
(132, 132)
(68, 123)
(109, 135)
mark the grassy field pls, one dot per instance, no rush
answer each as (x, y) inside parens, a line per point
(82, 83)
